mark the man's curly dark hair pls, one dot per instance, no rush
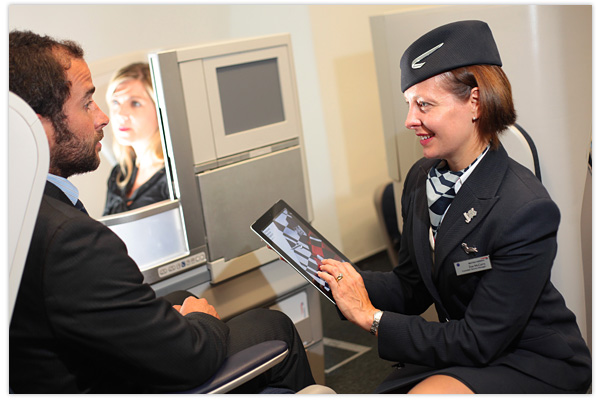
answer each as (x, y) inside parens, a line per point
(37, 73)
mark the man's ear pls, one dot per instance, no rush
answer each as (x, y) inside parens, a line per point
(48, 127)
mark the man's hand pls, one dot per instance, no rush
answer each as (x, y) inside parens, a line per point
(194, 305)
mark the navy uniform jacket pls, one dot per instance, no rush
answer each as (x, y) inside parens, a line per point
(509, 315)
(85, 322)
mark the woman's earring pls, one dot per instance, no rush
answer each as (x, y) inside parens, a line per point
(474, 119)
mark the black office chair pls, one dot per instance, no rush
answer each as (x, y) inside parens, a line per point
(27, 143)
(384, 201)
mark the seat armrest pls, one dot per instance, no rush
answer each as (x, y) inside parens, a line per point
(243, 366)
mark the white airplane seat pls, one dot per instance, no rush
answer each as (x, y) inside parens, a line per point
(28, 165)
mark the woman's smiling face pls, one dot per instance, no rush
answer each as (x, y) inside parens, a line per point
(443, 123)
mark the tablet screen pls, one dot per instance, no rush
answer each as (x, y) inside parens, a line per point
(297, 242)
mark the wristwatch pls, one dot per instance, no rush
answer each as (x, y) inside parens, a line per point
(375, 325)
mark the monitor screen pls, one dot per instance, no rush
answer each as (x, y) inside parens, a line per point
(250, 95)
(153, 234)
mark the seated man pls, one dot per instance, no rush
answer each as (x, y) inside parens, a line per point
(83, 320)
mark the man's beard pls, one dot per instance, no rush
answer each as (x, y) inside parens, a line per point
(70, 155)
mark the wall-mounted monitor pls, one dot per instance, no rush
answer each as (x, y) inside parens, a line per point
(239, 85)
(238, 98)
(231, 122)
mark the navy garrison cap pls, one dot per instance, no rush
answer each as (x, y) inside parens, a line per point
(459, 44)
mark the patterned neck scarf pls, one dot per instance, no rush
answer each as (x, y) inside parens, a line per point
(440, 190)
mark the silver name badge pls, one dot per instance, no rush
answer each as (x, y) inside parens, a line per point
(473, 265)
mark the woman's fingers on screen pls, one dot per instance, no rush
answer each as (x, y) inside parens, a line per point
(330, 279)
(327, 268)
(329, 261)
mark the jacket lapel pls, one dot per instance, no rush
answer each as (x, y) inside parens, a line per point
(420, 233)
(478, 192)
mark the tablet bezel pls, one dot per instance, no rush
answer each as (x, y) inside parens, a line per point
(267, 218)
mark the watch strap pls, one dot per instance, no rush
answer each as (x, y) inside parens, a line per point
(376, 320)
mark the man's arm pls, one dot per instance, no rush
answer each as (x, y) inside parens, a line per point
(97, 301)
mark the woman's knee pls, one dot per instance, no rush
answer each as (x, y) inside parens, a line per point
(441, 384)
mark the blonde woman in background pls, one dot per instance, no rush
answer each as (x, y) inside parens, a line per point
(139, 178)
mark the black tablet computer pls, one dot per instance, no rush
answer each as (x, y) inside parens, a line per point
(297, 242)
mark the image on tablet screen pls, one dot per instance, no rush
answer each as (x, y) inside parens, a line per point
(300, 244)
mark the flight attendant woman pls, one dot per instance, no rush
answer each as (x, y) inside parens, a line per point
(479, 240)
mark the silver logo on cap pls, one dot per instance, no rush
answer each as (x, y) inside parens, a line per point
(416, 62)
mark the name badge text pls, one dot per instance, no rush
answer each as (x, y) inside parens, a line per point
(473, 265)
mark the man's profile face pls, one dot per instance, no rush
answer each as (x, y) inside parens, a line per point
(77, 151)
